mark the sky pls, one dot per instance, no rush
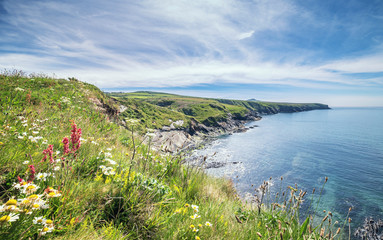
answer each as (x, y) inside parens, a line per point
(273, 50)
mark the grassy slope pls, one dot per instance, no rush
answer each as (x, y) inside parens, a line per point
(205, 110)
(144, 199)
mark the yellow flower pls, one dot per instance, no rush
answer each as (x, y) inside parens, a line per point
(200, 225)
(177, 211)
(49, 222)
(11, 202)
(208, 224)
(9, 218)
(195, 230)
(192, 226)
(1, 143)
(197, 238)
(195, 216)
(187, 205)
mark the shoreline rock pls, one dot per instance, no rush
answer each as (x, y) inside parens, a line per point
(171, 140)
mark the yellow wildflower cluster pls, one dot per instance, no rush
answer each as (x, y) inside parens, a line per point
(194, 228)
(28, 204)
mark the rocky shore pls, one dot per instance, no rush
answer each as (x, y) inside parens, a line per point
(169, 139)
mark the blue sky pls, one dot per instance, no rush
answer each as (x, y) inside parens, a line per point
(277, 50)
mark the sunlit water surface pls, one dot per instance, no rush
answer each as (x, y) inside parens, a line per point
(344, 144)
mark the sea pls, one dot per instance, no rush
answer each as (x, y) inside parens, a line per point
(343, 144)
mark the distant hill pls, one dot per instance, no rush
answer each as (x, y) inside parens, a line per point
(156, 109)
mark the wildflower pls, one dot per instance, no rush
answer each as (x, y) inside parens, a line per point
(20, 137)
(35, 132)
(195, 216)
(195, 230)
(20, 184)
(25, 162)
(19, 89)
(108, 154)
(34, 197)
(56, 168)
(19, 178)
(46, 230)
(52, 193)
(39, 220)
(48, 151)
(208, 224)
(9, 218)
(110, 161)
(66, 145)
(9, 208)
(200, 225)
(40, 204)
(26, 211)
(32, 171)
(177, 211)
(75, 137)
(57, 152)
(34, 139)
(109, 149)
(195, 208)
(24, 134)
(24, 202)
(49, 223)
(11, 202)
(42, 176)
(187, 205)
(45, 142)
(29, 188)
(197, 238)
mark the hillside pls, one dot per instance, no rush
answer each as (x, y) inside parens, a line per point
(73, 167)
(207, 111)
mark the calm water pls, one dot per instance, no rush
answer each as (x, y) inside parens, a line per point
(345, 144)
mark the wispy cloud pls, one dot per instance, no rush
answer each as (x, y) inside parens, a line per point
(184, 43)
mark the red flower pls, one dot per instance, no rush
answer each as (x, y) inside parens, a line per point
(66, 145)
(32, 171)
(75, 137)
(49, 151)
(20, 179)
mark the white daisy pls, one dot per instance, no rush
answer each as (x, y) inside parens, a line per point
(46, 230)
(29, 188)
(12, 217)
(39, 220)
(110, 161)
(195, 216)
(42, 176)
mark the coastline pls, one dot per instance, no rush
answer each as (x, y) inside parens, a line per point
(171, 140)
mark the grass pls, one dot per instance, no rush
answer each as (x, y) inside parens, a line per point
(204, 110)
(112, 186)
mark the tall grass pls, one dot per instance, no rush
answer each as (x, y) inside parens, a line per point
(112, 186)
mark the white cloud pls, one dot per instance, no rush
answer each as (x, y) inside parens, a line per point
(246, 35)
(168, 43)
(365, 64)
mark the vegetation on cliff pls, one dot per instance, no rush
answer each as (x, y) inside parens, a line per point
(70, 169)
(153, 106)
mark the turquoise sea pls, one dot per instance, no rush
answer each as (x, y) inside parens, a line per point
(344, 144)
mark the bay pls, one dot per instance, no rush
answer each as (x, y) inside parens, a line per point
(343, 144)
